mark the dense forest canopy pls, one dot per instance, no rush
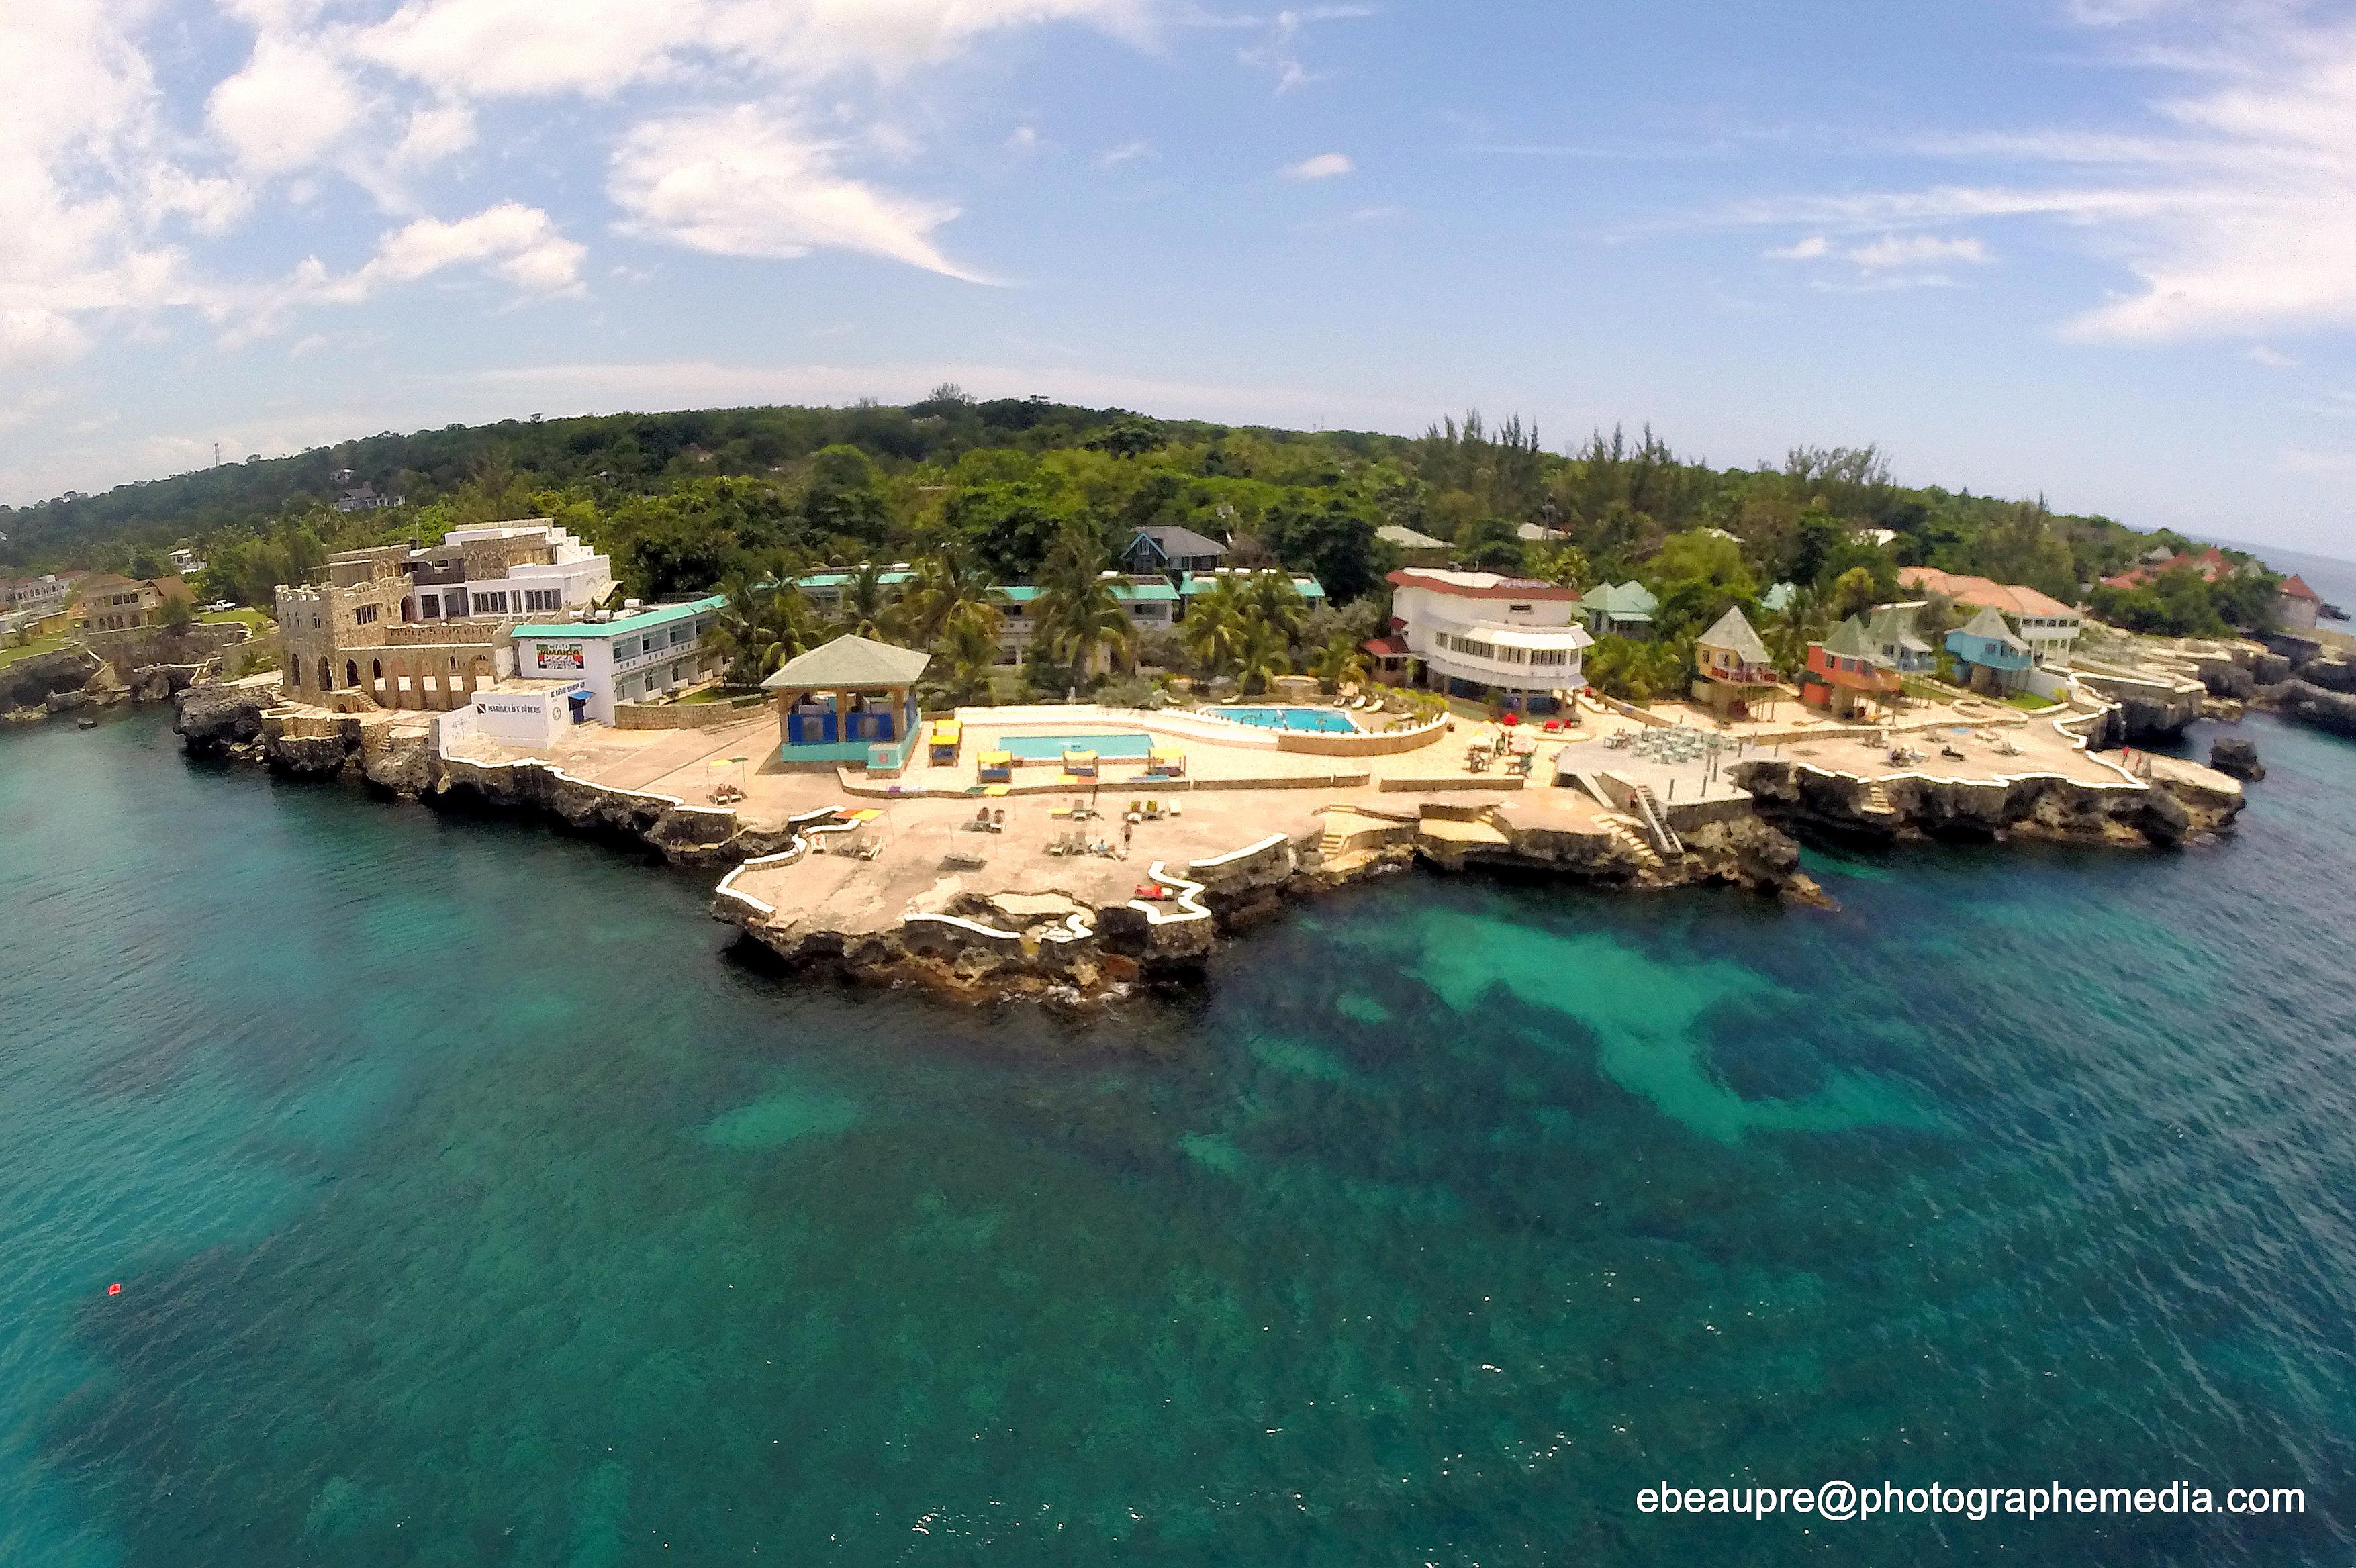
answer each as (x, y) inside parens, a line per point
(683, 501)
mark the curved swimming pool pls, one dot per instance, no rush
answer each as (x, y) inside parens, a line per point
(1324, 721)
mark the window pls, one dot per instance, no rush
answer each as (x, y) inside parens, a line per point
(490, 603)
(542, 598)
(1517, 609)
(364, 614)
(431, 606)
(1551, 657)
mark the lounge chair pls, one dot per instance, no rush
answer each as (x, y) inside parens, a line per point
(998, 820)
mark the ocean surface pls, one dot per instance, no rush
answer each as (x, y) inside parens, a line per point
(472, 1202)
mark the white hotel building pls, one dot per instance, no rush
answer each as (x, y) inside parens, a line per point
(1476, 634)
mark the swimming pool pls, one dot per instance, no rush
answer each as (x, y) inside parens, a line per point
(1324, 720)
(1051, 747)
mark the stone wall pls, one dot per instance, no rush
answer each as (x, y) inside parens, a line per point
(684, 715)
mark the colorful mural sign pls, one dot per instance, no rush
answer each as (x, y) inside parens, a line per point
(559, 656)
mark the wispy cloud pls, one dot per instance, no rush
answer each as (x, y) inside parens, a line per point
(2234, 210)
(2272, 359)
(1279, 52)
(1323, 166)
(1127, 153)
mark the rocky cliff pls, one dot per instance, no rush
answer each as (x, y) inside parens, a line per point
(2044, 807)
(2311, 704)
(31, 682)
(213, 719)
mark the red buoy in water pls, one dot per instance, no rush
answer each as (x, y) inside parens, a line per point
(115, 1290)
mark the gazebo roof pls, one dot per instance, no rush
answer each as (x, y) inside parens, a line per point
(1991, 626)
(850, 664)
(1733, 631)
(1849, 641)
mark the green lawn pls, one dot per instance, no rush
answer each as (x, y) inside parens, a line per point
(2029, 702)
(254, 620)
(10, 653)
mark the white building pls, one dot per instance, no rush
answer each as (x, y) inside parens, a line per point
(37, 596)
(620, 655)
(528, 713)
(1479, 636)
(532, 567)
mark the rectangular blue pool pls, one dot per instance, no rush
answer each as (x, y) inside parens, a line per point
(1051, 747)
(1324, 720)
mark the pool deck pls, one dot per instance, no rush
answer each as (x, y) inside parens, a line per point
(928, 859)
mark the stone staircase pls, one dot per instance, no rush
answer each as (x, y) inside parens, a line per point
(1877, 801)
(1629, 836)
(1656, 822)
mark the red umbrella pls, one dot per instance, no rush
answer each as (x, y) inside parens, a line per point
(1511, 719)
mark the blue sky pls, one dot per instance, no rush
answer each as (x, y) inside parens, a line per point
(2102, 251)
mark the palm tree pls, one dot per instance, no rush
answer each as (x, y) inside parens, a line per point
(758, 630)
(1212, 631)
(1266, 654)
(947, 581)
(868, 609)
(1805, 620)
(1079, 613)
(1338, 664)
(967, 654)
(1273, 598)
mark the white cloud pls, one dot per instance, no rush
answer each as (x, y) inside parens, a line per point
(1813, 248)
(1916, 250)
(503, 47)
(2234, 210)
(33, 336)
(1323, 166)
(520, 47)
(517, 242)
(1127, 153)
(287, 108)
(436, 131)
(742, 182)
(2272, 359)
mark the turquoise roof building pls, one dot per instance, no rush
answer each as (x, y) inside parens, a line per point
(1988, 655)
(1625, 611)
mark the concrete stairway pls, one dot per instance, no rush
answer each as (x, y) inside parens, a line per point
(1657, 821)
(1629, 836)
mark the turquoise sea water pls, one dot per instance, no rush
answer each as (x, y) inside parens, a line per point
(474, 1204)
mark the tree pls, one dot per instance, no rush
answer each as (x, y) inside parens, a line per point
(869, 608)
(1853, 593)
(1272, 597)
(760, 629)
(1264, 654)
(176, 614)
(1491, 544)
(1636, 672)
(842, 500)
(1129, 435)
(1563, 565)
(1334, 542)
(1337, 664)
(948, 580)
(1080, 614)
(1009, 525)
(1213, 630)
(967, 656)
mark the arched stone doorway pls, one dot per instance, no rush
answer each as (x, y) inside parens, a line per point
(326, 682)
(351, 672)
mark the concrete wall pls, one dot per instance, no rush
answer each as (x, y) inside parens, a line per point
(689, 716)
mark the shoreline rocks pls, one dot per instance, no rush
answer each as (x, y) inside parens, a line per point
(2237, 758)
